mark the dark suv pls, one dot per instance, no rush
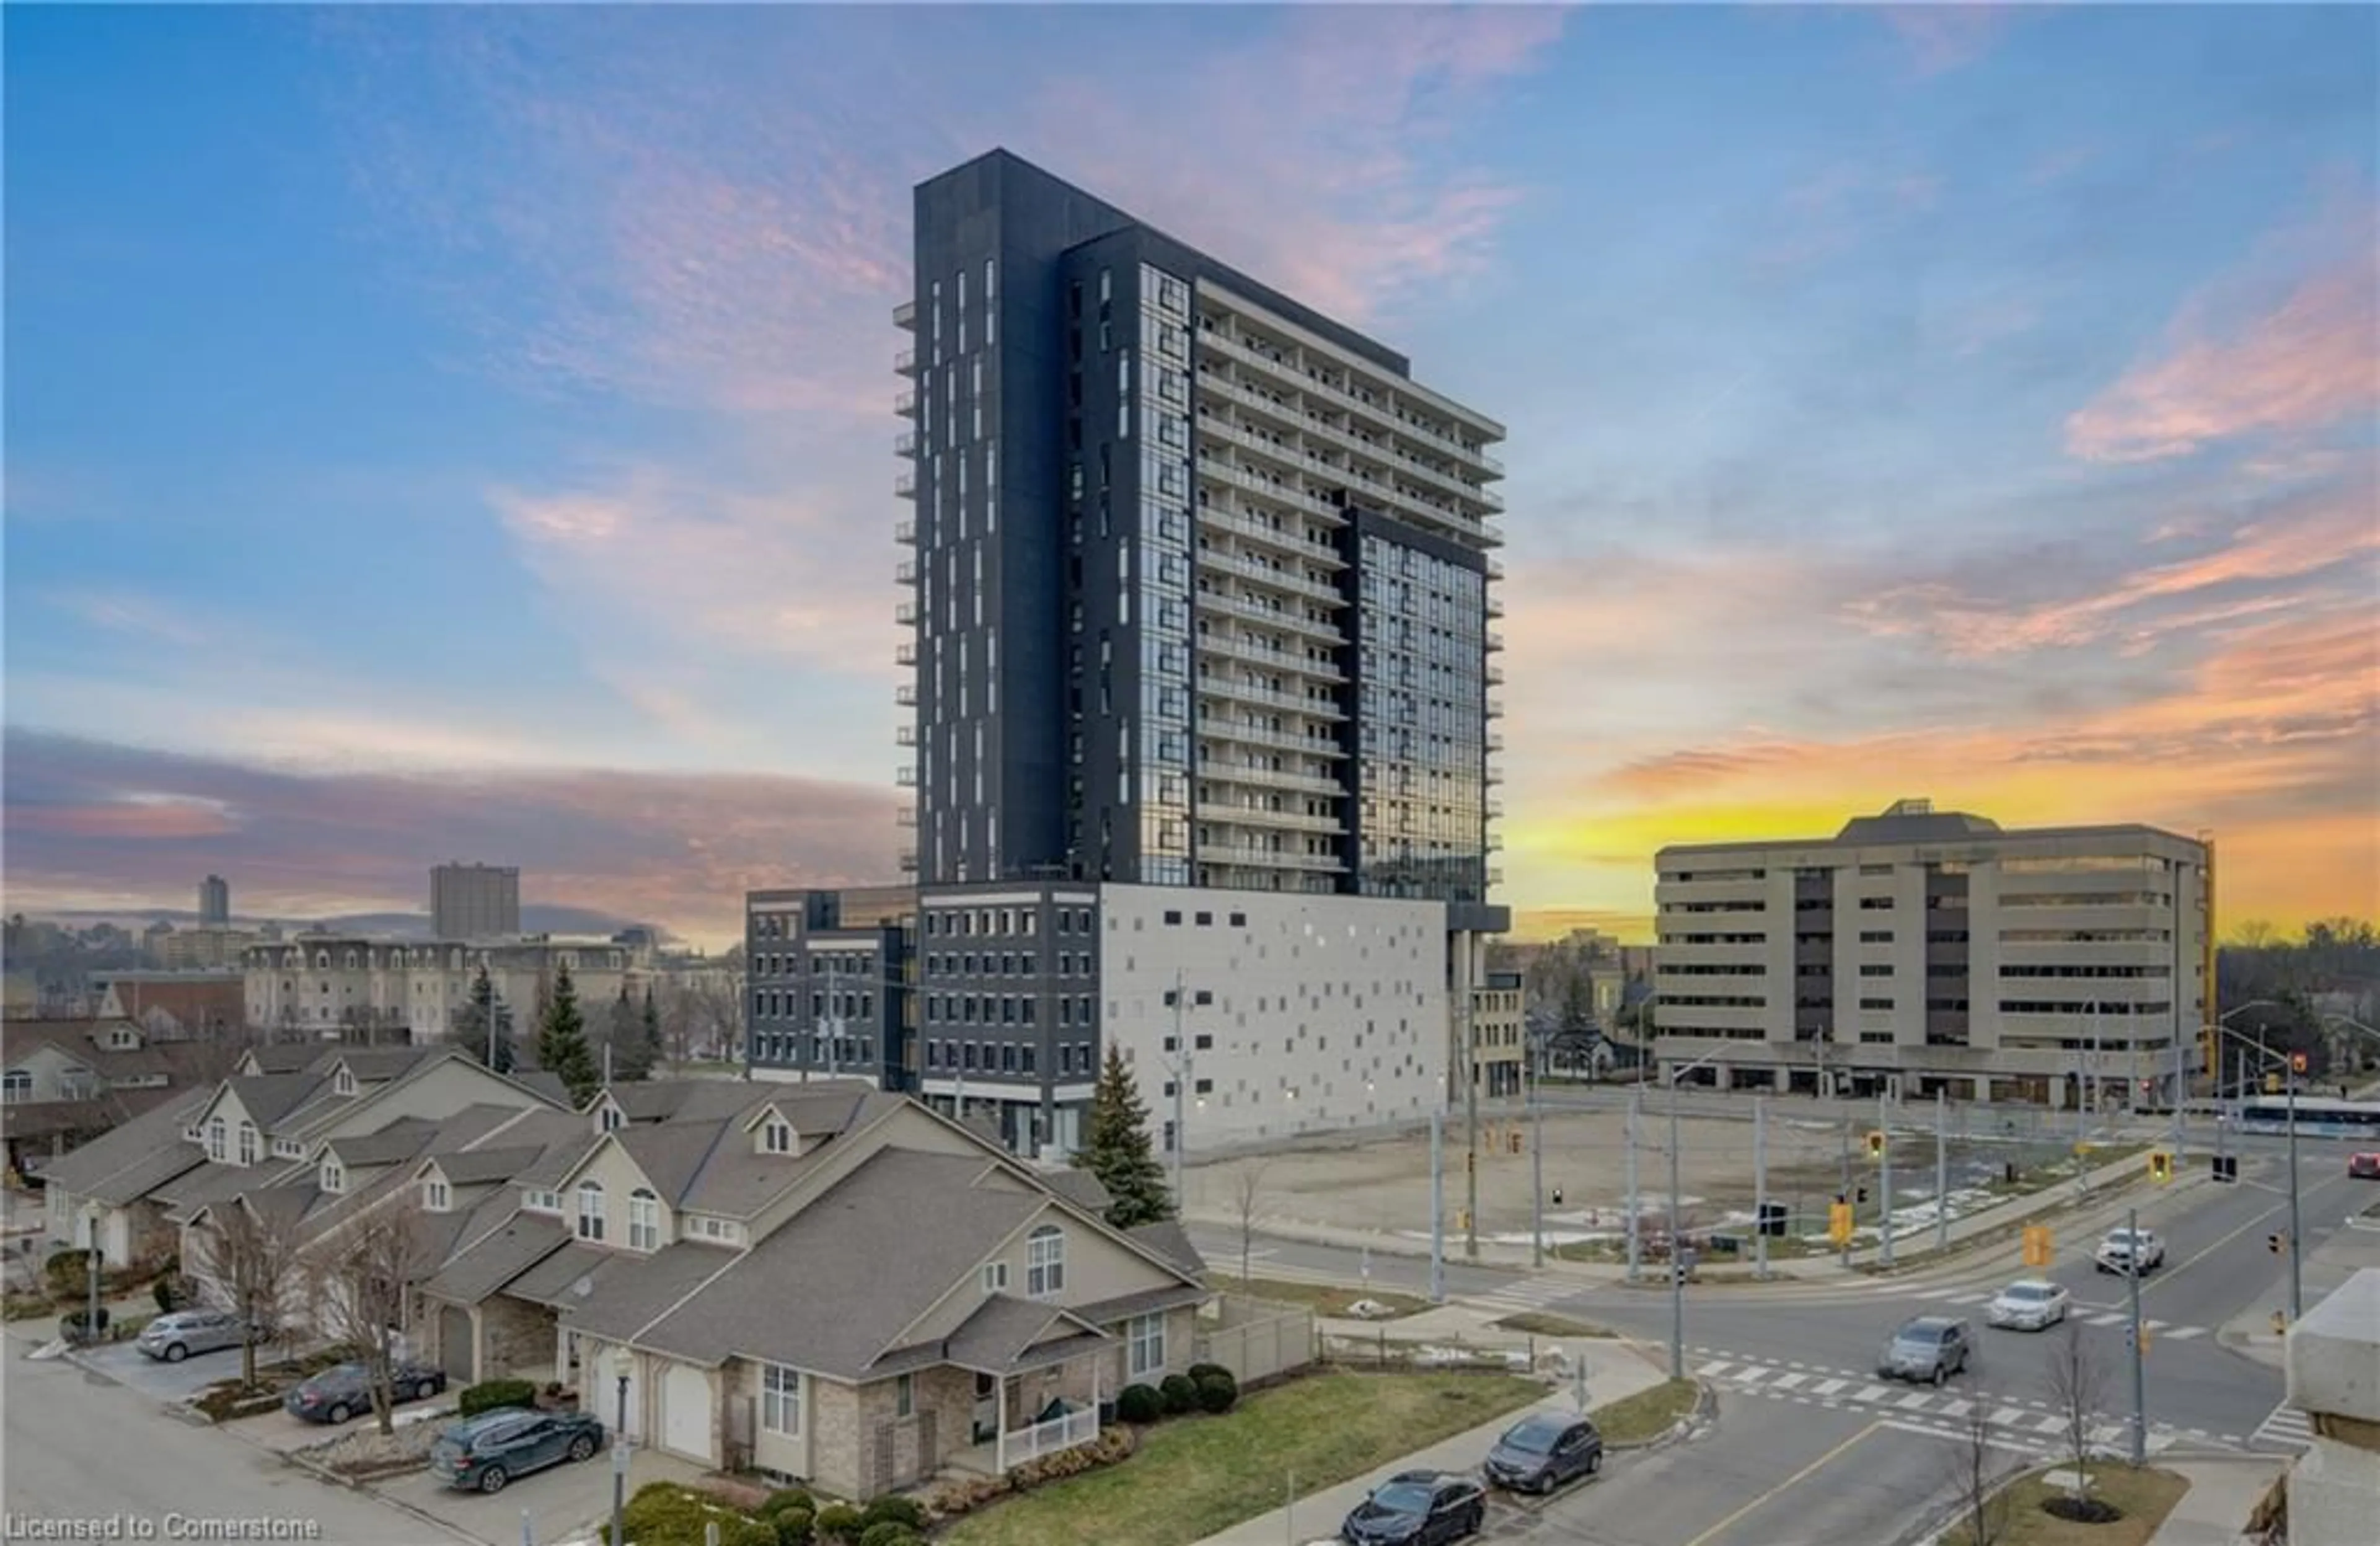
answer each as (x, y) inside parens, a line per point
(486, 1451)
(1543, 1451)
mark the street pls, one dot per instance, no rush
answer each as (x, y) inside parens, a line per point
(1810, 1448)
(75, 1446)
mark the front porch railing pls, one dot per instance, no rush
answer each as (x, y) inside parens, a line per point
(1020, 1445)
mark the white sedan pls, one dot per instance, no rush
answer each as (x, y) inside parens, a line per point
(2032, 1305)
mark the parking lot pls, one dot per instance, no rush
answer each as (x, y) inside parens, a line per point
(169, 1383)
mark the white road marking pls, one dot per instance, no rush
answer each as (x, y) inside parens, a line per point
(2183, 1333)
(1786, 1381)
(1873, 1392)
(2007, 1416)
(1713, 1371)
(1828, 1387)
(1915, 1401)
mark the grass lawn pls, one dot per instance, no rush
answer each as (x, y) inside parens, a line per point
(2146, 1496)
(1538, 1323)
(1646, 1415)
(1322, 1299)
(1197, 1476)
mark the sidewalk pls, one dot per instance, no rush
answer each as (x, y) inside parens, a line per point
(1614, 1372)
(2222, 1495)
(2340, 1256)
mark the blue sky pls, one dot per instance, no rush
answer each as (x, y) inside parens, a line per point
(446, 430)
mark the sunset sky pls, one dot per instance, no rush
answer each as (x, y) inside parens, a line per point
(468, 432)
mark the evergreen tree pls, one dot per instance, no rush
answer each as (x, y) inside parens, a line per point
(654, 1044)
(562, 1048)
(1117, 1149)
(624, 1037)
(468, 1031)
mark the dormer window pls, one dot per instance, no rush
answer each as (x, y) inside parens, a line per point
(541, 1202)
(612, 1118)
(436, 1195)
(342, 1082)
(777, 1137)
(590, 1209)
(334, 1175)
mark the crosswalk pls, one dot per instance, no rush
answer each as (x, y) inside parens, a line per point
(1522, 1295)
(2087, 1313)
(2015, 1423)
(2287, 1425)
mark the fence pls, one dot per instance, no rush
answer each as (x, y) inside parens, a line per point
(1379, 1349)
(1255, 1339)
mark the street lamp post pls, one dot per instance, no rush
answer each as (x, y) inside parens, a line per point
(1677, 1244)
(2297, 1243)
(1532, 1070)
(620, 1459)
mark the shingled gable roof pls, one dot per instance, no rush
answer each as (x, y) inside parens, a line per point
(124, 1163)
(710, 1165)
(281, 1057)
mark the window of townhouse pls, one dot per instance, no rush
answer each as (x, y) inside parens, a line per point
(1045, 1262)
(590, 1211)
(781, 1399)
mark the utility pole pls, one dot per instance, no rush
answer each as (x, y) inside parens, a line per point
(1470, 1116)
(1760, 1184)
(1437, 1205)
(2297, 1238)
(1941, 1171)
(1533, 1051)
(1884, 1186)
(1635, 1205)
(1677, 1247)
(1848, 1195)
(2140, 1373)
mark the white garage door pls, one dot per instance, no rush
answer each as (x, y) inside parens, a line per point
(686, 1412)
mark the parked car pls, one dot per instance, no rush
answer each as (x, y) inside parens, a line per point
(2030, 1304)
(2127, 1251)
(484, 1453)
(2363, 1167)
(343, 1391)
(1931, 1348)
(1542, 1452)
(1417, 1508)
(177, 1335)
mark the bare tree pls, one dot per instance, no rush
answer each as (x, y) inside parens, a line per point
(1982, 1507)
(1248, 1186)
(251, 1256)
(361, 1276)
(2077, 1383)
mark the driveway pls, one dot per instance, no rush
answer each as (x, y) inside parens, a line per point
(564, 1502)
(279, 1431)
(136, 1371)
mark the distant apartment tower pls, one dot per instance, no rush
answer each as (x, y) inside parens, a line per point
(1922, 950)
(474, 901)
(214, 902)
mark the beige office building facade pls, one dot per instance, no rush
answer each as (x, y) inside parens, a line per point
(1921, 950)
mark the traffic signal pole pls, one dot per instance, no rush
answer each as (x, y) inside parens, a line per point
(1760, 1184)
(2140, 1361)
(2297, 1238)
(1883, 1194)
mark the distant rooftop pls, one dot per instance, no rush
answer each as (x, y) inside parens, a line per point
(1916, 821)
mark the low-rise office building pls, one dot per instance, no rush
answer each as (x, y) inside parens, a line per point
(327, 984)
(1922, 950)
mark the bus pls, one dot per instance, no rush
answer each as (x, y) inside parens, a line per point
(2319, 1116)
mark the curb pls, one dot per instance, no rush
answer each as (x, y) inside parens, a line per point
(1704, 1416)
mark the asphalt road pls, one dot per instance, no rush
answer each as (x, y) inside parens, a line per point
(75, 1446)
(1809, 1449)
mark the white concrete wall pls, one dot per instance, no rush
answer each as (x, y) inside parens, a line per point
(1326, 1013)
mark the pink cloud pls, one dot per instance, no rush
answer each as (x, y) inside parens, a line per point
(1320, 159)
(1946, 36)
(2241, 360)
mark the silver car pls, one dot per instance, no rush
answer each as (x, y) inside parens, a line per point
(1930, 1349)
(175, 1337)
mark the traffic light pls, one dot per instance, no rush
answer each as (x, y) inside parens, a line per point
(2297, 1063)
(2036, 1245)
(1838, 1222)
(1863, 1194)
(2160, 1166)
(1876, 1146)
(2274, 1241)
(1772, 1219)
(2226, 1167)
(2145, 1337)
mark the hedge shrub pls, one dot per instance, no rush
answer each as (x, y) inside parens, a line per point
(896, 1509)
(840, 1523)
(1139, 1404)
(784, 1498)
(1177, 1394)
(889, 1532)
(796, 1525)
(1217, 1391)
(663, 1514)
(490, 1394)
(72, 1323)
(1198, 1371)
